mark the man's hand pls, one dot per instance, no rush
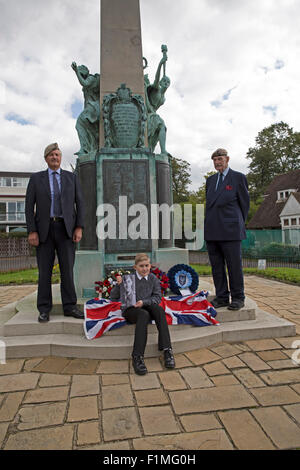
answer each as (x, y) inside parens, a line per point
(139, 304)
(77, 235)
(33, 239)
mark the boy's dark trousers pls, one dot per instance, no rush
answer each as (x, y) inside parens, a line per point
(142, 317)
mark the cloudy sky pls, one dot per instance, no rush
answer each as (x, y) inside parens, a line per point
(234, 69)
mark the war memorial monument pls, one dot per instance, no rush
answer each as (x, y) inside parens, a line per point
(119, 132)
(123, 163)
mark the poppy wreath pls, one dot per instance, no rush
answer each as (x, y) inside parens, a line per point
(163, 279)
(103, 288)
(190, 276)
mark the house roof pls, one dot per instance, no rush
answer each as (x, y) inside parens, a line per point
(17, 174)
(267, 215)
(297, 196)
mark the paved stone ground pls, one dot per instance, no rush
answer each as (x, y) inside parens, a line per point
(9, 294)
(229, 396)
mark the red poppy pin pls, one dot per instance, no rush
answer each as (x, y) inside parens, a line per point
(228, 187)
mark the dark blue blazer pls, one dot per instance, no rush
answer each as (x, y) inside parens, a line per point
(227, 208)
(38, 203)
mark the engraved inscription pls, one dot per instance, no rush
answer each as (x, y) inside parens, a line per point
(125, 124)
(127, 178)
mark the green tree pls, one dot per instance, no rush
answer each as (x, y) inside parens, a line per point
(181, 179)
(277, 151)
(199, 196)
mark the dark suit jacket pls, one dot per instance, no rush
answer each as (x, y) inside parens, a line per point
(38, 195)
(226, 209)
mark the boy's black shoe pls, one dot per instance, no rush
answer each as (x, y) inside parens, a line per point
(169, 358)
(139, 365)
(43, 317)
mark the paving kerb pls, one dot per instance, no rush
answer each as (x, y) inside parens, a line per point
(250, 385)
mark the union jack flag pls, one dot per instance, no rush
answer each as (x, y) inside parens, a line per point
(102, 315)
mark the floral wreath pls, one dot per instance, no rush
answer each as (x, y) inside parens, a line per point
(191, 278)
(163, 278)
(104, 288)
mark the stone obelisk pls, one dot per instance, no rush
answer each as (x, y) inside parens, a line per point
(121, 59)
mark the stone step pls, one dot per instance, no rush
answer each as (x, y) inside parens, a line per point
(26, 322)
(111, 346)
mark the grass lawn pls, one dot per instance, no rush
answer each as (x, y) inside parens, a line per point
(27, 276)
(30, 276)
(290, 275)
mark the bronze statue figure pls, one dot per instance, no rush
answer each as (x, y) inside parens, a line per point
(87, 124)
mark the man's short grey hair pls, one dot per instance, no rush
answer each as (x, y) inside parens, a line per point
(220, 153)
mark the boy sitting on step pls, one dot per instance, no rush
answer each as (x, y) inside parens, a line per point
(148, 297)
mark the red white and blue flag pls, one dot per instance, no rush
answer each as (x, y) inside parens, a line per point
(101, 315)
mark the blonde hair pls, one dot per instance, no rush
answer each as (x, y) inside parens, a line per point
(141, 257)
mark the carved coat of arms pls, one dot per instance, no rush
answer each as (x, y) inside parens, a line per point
(125, 118)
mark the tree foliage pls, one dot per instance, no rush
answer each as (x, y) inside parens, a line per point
(181, 179)
(276, 151)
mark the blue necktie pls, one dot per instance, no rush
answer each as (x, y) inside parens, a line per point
(57, 211)
(220, 181)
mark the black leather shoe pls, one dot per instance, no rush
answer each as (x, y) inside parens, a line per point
(139, 365)
(75, 312)
(43, 317)
(218, 303)
(236, 305)
(169, 358)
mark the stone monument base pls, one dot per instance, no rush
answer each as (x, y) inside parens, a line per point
(88, 268)
(24, 336)
(165, 258)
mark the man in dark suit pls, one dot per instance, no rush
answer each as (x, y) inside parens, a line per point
(227, 205)
(54, 216)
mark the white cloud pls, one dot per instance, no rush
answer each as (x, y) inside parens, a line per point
(241, 55)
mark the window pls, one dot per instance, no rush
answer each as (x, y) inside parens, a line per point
(294, 221)
(12, 211)
(21, 211)
(283, 195)
(13, 181)
(285, 222)
(2, 211)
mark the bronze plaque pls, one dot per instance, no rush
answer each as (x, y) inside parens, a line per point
(128, 178)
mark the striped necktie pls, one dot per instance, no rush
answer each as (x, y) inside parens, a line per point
(57, 211)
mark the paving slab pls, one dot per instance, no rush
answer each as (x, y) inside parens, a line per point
(211, 399)
(244, 431)
(16, 382)
(58, 438)
(121, 423)
(160, 418)
(279, 426)
(279, 395)
(42, 415)
(203, 440)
